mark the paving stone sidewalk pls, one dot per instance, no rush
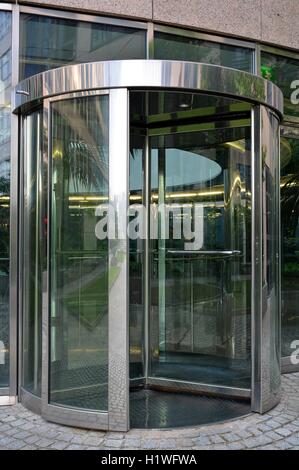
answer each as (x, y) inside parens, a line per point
(278, 429)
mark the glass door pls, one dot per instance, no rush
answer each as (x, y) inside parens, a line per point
(79, 260)
(200, 257)
(84, 288)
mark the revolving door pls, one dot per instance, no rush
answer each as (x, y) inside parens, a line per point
(149, 238)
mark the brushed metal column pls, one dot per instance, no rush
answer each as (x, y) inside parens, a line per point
(265, 291)
(118, 394)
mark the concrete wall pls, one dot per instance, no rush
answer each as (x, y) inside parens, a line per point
(271, 21)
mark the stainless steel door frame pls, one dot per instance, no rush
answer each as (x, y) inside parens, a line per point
(51, 412)
(30, 401)
(145, 74)
(266, 354)
(118, 330)
(60, 414)
(165, 382)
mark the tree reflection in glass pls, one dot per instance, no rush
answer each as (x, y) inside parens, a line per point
(79, 261)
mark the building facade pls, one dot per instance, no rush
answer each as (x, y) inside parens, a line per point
(173, 129)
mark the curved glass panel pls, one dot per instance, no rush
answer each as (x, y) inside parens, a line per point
(290, 242)
(136, 259)
(172, 47)
(79, 260)
(5, 119)
(201, 283)
(32, 255)
(271, 320)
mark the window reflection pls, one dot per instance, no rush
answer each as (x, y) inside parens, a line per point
(169, 46)
(5, 120)
(282, 71)
(79, 260)
(32, 255)
(136, 260)
(46, 43)
(289, 185)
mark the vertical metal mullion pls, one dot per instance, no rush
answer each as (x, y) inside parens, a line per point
(191, 307)
(150, 48)
(265, 384)
(38, 247)
(279, 238)
(147, 261)
(14, 213)
(256, 257)
(257, 60)
(21, 257)
(46, 204)
(118, 323)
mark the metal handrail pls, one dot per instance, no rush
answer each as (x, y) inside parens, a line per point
(204, 252)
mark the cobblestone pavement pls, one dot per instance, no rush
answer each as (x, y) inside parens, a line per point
(278, 429)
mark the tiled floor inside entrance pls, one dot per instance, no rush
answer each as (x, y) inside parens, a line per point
(160, 409)
(278, 429)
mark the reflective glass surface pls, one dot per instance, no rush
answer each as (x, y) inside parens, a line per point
(282, 71)
(79, 260)
(5, 120)
(46, 43)
(200, 310)
(271, 352)
(136, 258)
(33, 229)
(289, 184)
(172, 47)
(200, 281)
